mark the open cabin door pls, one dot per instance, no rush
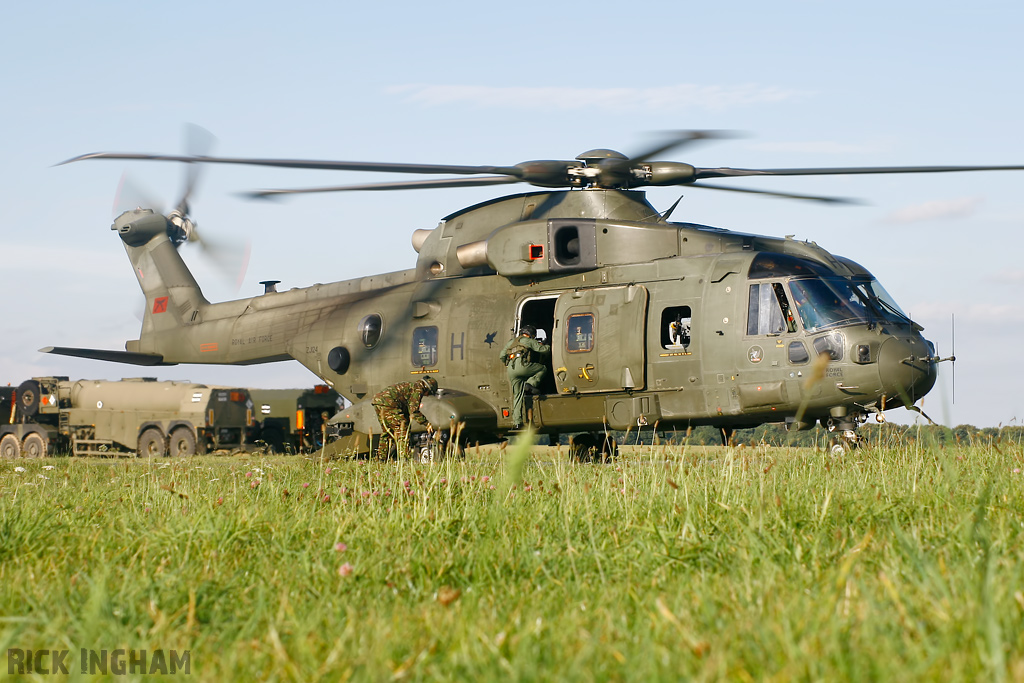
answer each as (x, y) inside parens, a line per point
(598, 340)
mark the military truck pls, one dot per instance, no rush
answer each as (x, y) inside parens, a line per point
(45, 415)
(293, 420)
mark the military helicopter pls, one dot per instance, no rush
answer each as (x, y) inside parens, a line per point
(650, 321)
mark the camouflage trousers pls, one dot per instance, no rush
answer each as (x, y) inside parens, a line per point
(395, 426)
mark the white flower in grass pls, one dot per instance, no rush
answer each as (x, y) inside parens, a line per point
(19, 469)
(47, 467)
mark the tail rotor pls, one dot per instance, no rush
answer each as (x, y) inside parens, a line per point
(230, 259)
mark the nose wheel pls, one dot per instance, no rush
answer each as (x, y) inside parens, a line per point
(843, 436)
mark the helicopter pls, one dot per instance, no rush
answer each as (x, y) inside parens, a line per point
(651, 322)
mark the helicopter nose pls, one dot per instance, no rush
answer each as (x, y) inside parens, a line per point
(904, 369)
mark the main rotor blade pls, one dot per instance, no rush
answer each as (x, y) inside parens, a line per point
(784, 195)
(702, 173)
(382, 167)
(680, 138)
(412, 185)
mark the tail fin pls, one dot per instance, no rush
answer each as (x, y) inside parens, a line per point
(173, 298)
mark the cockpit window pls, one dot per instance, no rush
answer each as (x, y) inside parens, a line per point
(875, 292)
(828, 302)
(770, 264)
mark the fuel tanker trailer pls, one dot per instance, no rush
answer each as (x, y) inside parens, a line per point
(48, 415)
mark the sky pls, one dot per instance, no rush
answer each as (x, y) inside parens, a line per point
(807, 84)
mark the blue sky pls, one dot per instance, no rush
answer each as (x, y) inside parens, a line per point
(808, 83)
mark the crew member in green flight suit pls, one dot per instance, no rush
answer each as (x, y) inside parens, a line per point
(524, 358)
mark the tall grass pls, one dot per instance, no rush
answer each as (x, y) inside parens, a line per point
(671, 562)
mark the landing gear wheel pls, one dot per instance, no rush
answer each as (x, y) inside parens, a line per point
(10, 447)
(843, 434)
(842, 444)
(582, 447)
(424, 454)
(183, 443)
(426, 449)
(34, 446)
(151, 444)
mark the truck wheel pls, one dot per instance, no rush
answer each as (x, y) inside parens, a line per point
(151, 444)
(34, 446)
(274, 438)
(28, 398)
(183, 443)
(10, 447)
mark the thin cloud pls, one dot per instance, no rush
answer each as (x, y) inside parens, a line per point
(1010, 276)
(936, 210)
(25, 258)
(665, 98)
(974, 312)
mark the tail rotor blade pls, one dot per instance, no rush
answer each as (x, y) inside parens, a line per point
(130, 195)
(229, 258)
(198, 143)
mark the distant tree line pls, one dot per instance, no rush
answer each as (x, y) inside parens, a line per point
(871, 433)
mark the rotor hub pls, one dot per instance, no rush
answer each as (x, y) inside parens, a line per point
(182, 228)
(599, 154)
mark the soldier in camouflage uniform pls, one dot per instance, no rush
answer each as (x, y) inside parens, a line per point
(395, 407)
(523, 358)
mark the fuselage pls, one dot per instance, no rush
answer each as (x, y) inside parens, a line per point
(649, 321)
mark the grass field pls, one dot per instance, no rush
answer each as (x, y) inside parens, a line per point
(670, 563)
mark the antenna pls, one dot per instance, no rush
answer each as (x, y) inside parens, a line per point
(952, 326)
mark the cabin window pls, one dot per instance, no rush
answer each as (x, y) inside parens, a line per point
(768, 310)
(369, 330)
(798, 353)
(580, 333)
(424, 346)
(832, 344)
(675, 328)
